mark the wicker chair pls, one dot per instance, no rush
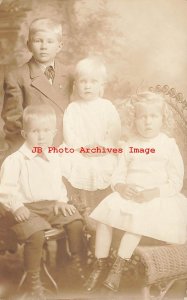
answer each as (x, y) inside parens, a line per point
(164, 265)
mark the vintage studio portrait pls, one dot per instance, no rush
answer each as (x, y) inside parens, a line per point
(93, 149)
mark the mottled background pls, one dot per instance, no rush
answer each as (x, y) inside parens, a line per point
(142, 42)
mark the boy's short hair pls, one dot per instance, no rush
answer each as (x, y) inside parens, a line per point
(38, 111)
(89, 65)
(45, 24)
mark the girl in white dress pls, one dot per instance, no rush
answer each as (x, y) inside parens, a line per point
(92, 127)
(146, 200)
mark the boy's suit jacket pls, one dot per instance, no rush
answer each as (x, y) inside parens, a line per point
(27, 85)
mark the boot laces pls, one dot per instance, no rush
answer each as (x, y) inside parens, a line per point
(118, 265)
(36, 286)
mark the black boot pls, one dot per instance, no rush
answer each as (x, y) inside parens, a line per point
(97, 276)
(36, 290)
(114, 277)
(77, 266)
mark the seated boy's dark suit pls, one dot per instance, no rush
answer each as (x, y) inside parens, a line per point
(27, 85)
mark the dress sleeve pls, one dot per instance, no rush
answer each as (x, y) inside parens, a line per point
(9, 189)
(113, 132)
(175, 172)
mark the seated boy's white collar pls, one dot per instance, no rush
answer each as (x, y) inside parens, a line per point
(31, 153)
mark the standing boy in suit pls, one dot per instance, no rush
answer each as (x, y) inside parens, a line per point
(41, 80)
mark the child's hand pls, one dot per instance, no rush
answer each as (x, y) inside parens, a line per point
(147, 195)
(21, 214)
(64, 208)
(128, 191)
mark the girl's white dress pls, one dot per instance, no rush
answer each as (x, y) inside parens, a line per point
(163, 218)
(87, 124)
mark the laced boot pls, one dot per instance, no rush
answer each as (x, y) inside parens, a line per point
(97, 276)
(114, 277)
(36, 290)
(77, 267)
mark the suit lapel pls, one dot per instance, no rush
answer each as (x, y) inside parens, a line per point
(41, 83)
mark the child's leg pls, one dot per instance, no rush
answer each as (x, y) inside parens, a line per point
(128, 244)
(32, 261)
(103, 240)
(74, 232)
(33, 251)
(102, 249)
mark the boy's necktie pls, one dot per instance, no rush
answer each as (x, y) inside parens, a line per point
(50, 73)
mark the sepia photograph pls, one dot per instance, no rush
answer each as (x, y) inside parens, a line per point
(93, 149)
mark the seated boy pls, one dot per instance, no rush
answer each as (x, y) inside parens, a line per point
(36, 196)
(41, 80)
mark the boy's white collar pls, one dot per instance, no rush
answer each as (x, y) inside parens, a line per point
(24, 149)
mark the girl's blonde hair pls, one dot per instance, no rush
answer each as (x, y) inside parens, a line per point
(148, 98)
(89, 65)
(38, 111)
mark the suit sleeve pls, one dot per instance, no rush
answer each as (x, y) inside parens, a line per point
(12, 110)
